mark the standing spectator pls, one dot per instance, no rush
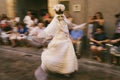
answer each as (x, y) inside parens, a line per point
(46, 19)
(32, 22)
(99, 40)
(16, 18)
(94, 22)
(27, 18)
(69, 20)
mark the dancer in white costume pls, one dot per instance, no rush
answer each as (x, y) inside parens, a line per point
(59, 57)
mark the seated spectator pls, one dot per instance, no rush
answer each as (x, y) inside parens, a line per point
(37, 29)
(116, 38)
(22, 32)
(13, 36)
(32, 37)
(6, 31)
(18, 34)
(76, 36)
(3, 21)
(27, 18)
(99, 40)
(33, 26)
(116, 44)
(14, 20)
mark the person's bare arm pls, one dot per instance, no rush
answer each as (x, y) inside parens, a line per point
(9, 32)
(115, 40)
(106, 41)
(98, 42)
(93, 40)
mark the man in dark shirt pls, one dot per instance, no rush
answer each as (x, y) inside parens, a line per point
(5, 33)
(116, 39)
(99, 40)
(116, 43)
(7, 28)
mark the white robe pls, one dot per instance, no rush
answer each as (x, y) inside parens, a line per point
(59, 57)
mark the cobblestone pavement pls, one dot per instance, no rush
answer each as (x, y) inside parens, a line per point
(20, 63)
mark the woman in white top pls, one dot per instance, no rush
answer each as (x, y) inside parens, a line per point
(32, 38)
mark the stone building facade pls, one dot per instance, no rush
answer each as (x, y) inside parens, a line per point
(2, 6)
(80, 10)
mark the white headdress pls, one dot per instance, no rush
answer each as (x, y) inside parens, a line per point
(53, 26)
(59, 7)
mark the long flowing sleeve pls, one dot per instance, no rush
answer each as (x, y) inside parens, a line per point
(74, 26)
(81, 26)
(50, 30)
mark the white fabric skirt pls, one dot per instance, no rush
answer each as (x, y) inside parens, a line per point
(60, 56)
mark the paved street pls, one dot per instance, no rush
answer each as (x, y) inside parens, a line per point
(20, 64)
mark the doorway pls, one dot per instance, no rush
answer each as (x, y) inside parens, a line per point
(38, 7)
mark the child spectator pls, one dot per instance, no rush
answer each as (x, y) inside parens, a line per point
(22, 32)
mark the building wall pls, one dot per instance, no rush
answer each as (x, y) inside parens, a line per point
(51, 4)
(10, 7)
(2, 6)
(89, 7)
(78, 16)
(38, 7)
(7, 7)
(109, 8)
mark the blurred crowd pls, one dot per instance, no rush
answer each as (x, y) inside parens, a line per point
(17, 32)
